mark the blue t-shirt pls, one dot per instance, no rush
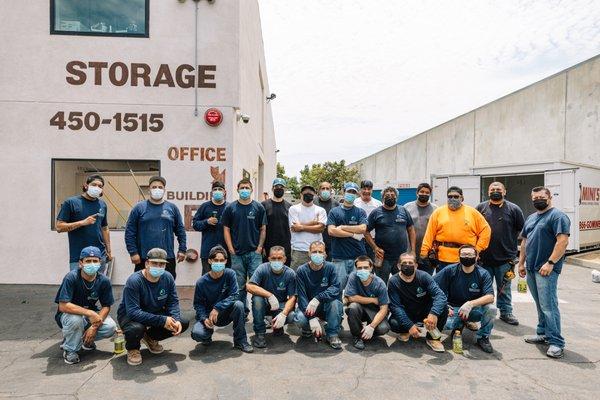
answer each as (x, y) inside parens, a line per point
(211, 293)
(376, 288)
(282, 285)
(154, 225)
(75, 209)
(541, 230)
(244, 222)
(323, 285)
(391, 226)
(346, 248)
(149, 303)
(212, 235)
(74, 289)
(461, 287)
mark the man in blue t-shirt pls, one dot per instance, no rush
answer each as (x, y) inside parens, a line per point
(154, 223)
(244, 228)
(470, 294)
(319, 293)
(346, 225)
(415, 298)
(78, 315)
(216, 303)
(208, 221)
(395, 233)
(149, 311)
(273, 289)
(84, 218)
(545, 240)
(367, 301)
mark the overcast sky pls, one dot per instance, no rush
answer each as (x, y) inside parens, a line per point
(354, 76)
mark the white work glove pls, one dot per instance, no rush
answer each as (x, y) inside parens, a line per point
(358, 236)
(279, 321)
(273, 302)
(311, 309)
(367, 332)
(315, 327)
(465, 310)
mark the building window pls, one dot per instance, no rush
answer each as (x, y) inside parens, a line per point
(99, 18)
(125, 183)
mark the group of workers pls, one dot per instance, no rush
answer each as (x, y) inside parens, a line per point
(414, 270)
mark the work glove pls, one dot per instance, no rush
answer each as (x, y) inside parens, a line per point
(311, 309)
(273, 302)
(279, 321)
(367, 332)
(465, 310)
(315, 327)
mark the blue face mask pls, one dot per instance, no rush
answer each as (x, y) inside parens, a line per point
(91, 269)
(156, 272)
(363, 274)
(218, 195)
(217, 266)
(325, 194)
(317, 258)
(349, 197)
(244, 193)
(276, 265)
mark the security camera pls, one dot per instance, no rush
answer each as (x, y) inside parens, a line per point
(245, 118)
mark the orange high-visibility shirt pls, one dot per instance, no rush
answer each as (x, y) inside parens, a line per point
(463, 226)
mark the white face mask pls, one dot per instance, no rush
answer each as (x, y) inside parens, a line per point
(157, 193)
(94, 191)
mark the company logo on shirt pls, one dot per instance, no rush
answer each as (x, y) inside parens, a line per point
(162, 294)
(420, 292)
(165, 214)
(225, 288)
(281, 286)
(474, 288)
(324, 282)
(93, 296)
(353, 221)
(251, 215)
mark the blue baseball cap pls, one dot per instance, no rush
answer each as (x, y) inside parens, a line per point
(350, 186)
(279, 181)
(90, 251)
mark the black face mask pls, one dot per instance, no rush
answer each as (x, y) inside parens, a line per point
(496, 196)
(308, 197)
(389, 201)
(423, 198)
(278, 192)
(407, 269)
(467, 261)
(540, 204)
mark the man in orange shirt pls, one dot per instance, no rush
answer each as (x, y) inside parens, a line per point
(451, 226)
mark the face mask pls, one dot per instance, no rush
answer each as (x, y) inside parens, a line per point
(317, 258)
(454, 204)
(363, 274)
(467, 261)
(407, 269)
(325, 194)
(308, 197)
(217, 266)
(276, 265)
(496, 196)
(218, 195)
(540, 204)
(157, 194)
(389, 201)
(156, 272)
(94, 191)
(349, 197)
(244, 193)
(278, 192)
(91, 269)
(423, 198)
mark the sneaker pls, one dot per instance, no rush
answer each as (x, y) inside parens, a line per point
(509, 319)
(404, 337)
(536, 339)
(472, 326)
(259, 341)
(334, 342)
(306, 333)
(359, 344)
(485, 345)
(70, 357)
(245, 347)
(90, 347)
(152, 345)
(62, 344)
(555, 352)
(134, 357)
(278, 332)
(436, 345)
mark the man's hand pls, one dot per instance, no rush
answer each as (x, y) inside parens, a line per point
(367, 332)
(546, 269)
(311, 309)
(375, 300)
(465, 310)
(522, 270)
(273, 302)
(259, 250)
(94, 318)
(170, 324)
(431, 322)
(212, 221)
(180, 256)
(315, 327)
(379, 253)
(136, 259)
(296, 227)
(279, 320)
(208, 323)
(450, 311)
(178, 327)
(231, 252)
(90, 335)
(414, 331)
(214, 314)
(89, 220)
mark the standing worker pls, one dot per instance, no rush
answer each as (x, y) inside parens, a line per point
(420, 210)
(327, 202)
(278, 229)
(306, 221)
(208, 221)
(368, 204)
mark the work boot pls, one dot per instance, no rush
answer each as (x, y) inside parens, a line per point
(472, 326)
(536, 339)
(70, 357)
(259, 341)
(152, 345)
(509, 319)
(245, 347)
(485, 345)
(404, 337)
(359, 344)
(278, 332)
(334, 342)
(134, 357)
(436, 345)
(306, 333)
(90, 347)
(555, 352)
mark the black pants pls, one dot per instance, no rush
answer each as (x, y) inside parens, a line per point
(426, 266)
(134, 332)
(359, 313)
(396, 328)
(171, 263)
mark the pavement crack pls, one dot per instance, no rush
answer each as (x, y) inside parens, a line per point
(531, 378)
(361, 375)
(76, 394)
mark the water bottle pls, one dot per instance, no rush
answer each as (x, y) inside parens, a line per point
(522, 285)
(457, 344)
(119, 342)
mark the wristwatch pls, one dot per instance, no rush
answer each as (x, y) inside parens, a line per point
(551, 262)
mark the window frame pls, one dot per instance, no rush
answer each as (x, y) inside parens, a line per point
(146, 34)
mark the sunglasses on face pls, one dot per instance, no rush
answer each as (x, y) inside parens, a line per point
(454, 196)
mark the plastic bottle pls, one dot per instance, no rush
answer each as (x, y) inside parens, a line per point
(119, 342)
(522, 285)
(457, 344)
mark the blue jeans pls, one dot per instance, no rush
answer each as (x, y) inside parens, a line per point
(485, 314)
(331, 312)
(387, 267)
(504, 298)
(544, 292)
(75, 265)
(244, 266)
(343, 268)
(261, 308)
(235, 313)
(74, 326)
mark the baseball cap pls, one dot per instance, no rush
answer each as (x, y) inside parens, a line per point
(157, 255)
(157, 178)
(350, 186)
(90, 251)
(279, 181)
(307, 186)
